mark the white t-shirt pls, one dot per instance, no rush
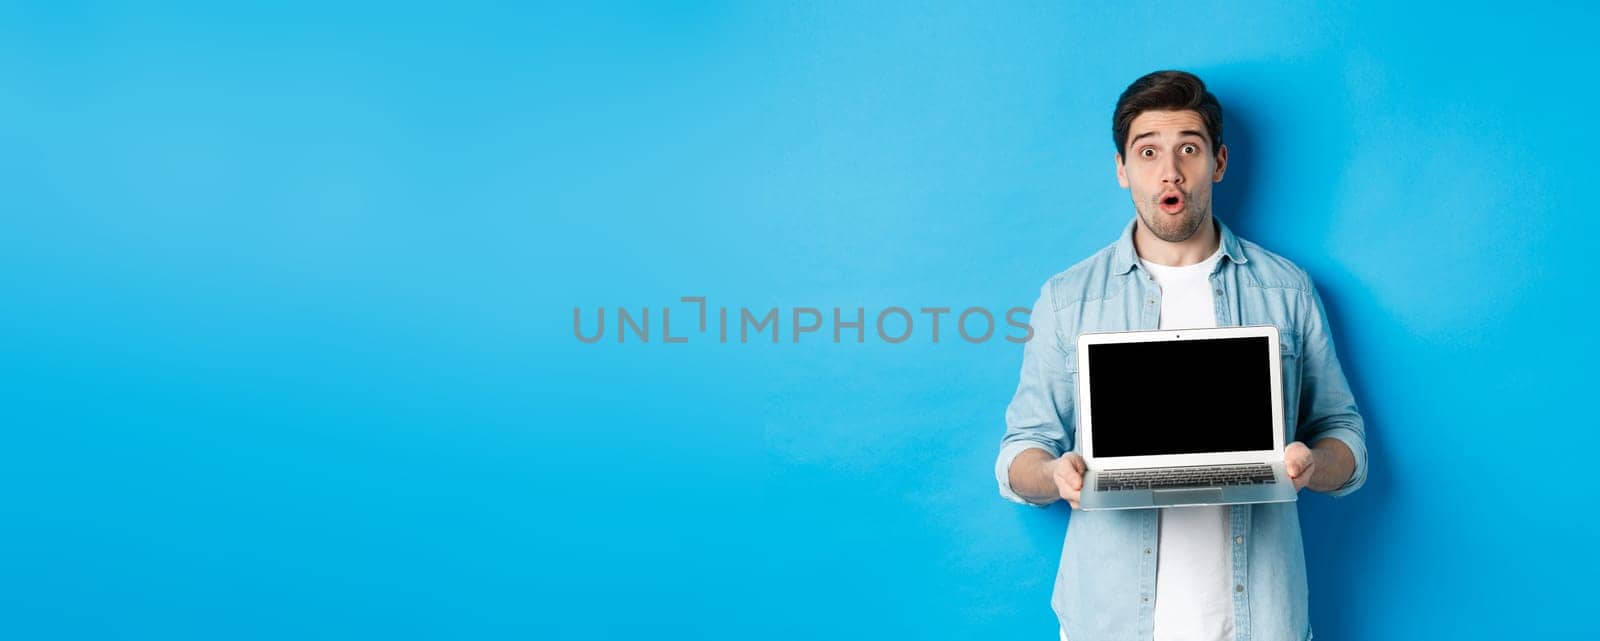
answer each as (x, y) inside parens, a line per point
(1194, 571)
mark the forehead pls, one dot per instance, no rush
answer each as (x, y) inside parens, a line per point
(1166, 124)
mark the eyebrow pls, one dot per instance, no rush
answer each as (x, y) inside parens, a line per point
(1186, 132)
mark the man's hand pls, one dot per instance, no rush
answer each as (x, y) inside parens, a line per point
(1301, 464)
(1067, 474)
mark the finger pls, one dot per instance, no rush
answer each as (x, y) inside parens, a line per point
(1071, 474)
(1300, 463)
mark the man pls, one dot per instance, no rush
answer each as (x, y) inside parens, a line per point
(1204, 573)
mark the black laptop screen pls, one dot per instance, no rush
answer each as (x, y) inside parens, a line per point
(1181, 397)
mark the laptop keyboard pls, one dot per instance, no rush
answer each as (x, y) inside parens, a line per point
(1206, 476)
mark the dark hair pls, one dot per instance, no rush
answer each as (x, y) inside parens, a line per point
(1167, 91)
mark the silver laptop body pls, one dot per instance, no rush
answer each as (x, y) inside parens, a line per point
(1181, 417)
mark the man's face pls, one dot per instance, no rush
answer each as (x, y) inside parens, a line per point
(1168, 168)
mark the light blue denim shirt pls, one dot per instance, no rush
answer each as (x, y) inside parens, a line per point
(1105, 587)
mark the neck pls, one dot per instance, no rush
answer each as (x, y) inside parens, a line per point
(1196, 248)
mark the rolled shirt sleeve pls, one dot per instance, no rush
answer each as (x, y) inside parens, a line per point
(1041, 411)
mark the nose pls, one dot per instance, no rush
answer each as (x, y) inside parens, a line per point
(1170, 172)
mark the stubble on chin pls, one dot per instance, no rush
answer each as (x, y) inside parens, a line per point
(1180, 230)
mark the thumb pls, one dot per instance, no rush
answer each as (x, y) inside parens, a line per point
(1294, 467)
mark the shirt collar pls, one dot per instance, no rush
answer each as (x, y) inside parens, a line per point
(1128, 257)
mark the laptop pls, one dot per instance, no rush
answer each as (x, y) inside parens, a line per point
(1181, 417)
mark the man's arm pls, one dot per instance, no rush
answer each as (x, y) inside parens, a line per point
(1039, 416)
(1031, 476)
(1329, 419)
(1324, 467)
(1041, 478)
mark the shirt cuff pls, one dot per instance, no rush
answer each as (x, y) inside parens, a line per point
(1002, 467)
(1358, 451)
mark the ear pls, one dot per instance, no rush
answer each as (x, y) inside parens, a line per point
(1122, 173)
(1222, 164)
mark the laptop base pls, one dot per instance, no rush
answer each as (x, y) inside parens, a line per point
(1280, 491)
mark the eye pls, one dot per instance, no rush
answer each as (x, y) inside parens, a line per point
(1147, 152)
(1190, 149)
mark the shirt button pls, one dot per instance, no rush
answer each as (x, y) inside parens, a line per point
(1219, 292)
(1152, 301)
(1144, 599)
(1238, 588)
(1239, 540)
(1147, 550)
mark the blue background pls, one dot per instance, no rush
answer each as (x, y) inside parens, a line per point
(287, 336)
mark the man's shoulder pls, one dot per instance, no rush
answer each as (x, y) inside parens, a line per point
(1085, 280)
(1270, 270)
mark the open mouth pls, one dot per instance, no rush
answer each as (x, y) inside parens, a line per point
(1171, 203)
